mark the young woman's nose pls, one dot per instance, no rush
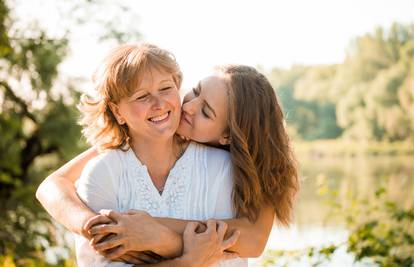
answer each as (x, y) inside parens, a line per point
(190, 107)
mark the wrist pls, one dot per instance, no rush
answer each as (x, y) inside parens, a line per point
(184, 261)
(172, 243)
(83, 218)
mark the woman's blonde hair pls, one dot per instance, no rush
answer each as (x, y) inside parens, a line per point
(265, 169)
(118, 77)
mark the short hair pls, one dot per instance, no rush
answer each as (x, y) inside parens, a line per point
(119, 75)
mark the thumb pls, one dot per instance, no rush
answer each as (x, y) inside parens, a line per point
(111, 214)
(231, 241)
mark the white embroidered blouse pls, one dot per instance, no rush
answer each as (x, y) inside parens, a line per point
(198, 187)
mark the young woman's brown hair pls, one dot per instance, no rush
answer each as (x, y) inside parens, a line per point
(265, 170)
(118, 77)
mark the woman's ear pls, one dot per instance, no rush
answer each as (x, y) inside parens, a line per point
(224, 139)
(115, 110)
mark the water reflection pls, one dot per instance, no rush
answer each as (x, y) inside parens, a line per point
(351, 178)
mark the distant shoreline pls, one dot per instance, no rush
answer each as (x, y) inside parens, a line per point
(349, 148)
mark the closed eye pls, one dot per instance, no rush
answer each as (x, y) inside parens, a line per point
(165, 88)
(205, 113)
(142, 97)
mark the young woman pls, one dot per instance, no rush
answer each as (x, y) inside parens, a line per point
(236, 109)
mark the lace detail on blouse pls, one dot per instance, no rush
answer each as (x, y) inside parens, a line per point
(176, 188)
(136, 184)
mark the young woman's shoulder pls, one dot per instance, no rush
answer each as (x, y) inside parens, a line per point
(212, 154)
(217, 162)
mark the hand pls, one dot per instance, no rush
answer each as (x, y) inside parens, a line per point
(140, 257)
(95, 220)
(208, 248)
(133, 231)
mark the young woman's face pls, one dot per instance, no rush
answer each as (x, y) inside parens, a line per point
(204, 112)
(153, 110)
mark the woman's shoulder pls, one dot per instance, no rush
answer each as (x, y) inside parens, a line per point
(109, 160)
(211, 154)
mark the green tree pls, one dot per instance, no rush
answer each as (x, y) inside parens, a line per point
(38, 125)
(38, 130)
(368, 97)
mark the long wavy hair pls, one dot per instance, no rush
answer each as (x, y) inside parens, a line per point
(265, 169)
(118, 77)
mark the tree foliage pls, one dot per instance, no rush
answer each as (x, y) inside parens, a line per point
(381, 231)
(369, 96)
(38, 125)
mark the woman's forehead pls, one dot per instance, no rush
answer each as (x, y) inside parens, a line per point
(214, 90)
(153, 76)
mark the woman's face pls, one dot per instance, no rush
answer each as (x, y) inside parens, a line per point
(153, 110)
(204, 112)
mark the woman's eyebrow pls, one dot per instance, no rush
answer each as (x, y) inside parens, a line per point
(205, 102)
(166, 81)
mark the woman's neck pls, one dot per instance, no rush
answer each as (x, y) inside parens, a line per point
(158, 155)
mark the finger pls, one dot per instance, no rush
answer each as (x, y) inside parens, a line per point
(211, 226)
(115, 252)
(130, 259)
(221, 229)
(229, 255)
(190, 228)
(154, 255)
(97, 219)
(201, 228)
(114, 215)
(104, 229)
(96, 238)
(231, 241)
(137, 254)
(108, 244)
(147, 258)
(123, 258)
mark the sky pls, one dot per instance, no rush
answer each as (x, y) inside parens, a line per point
(275, 33)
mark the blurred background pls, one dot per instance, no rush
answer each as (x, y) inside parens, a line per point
(343, 72)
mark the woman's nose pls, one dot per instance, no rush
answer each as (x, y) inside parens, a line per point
(157, 102)
(189, 107)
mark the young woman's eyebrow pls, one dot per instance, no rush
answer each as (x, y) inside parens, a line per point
(205, 102)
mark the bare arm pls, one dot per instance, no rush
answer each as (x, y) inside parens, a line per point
(253, 236)
(203, 249)
(57, 194)
(251, 243)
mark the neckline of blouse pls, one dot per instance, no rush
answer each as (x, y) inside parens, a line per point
(181, 161)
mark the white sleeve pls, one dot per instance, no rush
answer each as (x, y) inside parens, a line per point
(97, 188)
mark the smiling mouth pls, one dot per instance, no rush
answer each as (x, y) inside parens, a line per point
(160, 119)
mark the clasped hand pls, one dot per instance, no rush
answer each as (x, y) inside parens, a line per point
(133, 236)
